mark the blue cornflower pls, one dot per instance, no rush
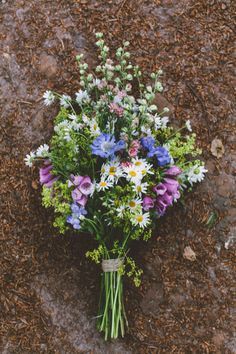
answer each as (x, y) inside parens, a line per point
(148, 142)
(162, 155)
(75, 218)
(105, 145)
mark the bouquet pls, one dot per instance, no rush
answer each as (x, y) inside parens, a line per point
(113, 168)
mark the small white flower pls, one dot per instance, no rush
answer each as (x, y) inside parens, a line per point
(29, 159)
(76, 126)
(72, 116)
(85, 119)
(96, 82)
(48, 98)
(65, 101)
(196, 174)
(141, 220)
(82, 96)
(166, 110)
(140, 188)
(188, 125)
(94, 128)
(42, 150)
(103, 184)
(146, 130)
(164, 121)
(120, 211)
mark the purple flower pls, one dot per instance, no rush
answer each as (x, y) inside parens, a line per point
(105, 145)
(46, 178)
(160, 189)
(166, 192)
(173, 171)
(148, 203)
(79, 197)
(84, 187)
(171, 185)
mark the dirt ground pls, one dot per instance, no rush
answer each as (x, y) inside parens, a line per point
(48, 290)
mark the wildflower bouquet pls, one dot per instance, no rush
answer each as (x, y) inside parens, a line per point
(113, 168)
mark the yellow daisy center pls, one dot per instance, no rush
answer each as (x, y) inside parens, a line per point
(139, 218)
(112, 170)
(144, 172)
(139, 189)
(103, 184)
(132, 204)
(133, 173)
(138, 163)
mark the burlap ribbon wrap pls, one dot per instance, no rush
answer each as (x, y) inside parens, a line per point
(112, 265)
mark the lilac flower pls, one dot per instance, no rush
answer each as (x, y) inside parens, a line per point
(148, 203)
(77, 214)
(173, 171)
(105, 145)
(46, 178)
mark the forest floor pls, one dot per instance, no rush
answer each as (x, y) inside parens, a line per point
(48, 289)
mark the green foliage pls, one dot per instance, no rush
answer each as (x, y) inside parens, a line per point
(97, 254)
(131, 270)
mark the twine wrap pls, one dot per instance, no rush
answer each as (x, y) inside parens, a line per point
(112, 265)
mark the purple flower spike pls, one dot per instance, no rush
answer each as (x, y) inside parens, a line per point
(86, 186)
(46, 178)
(148, 203)
(160, 189)
(171, 185)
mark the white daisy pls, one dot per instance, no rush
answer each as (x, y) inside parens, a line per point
(141, 220)
(134, 204)
(188, 125)
(140, 188)
(42, 150)
(65, 101)
(133, 174)
(48, 98)
(82, 96)
(112, 170)
(142, 166)
(29, 159)
(196, 174)
(103, 184)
